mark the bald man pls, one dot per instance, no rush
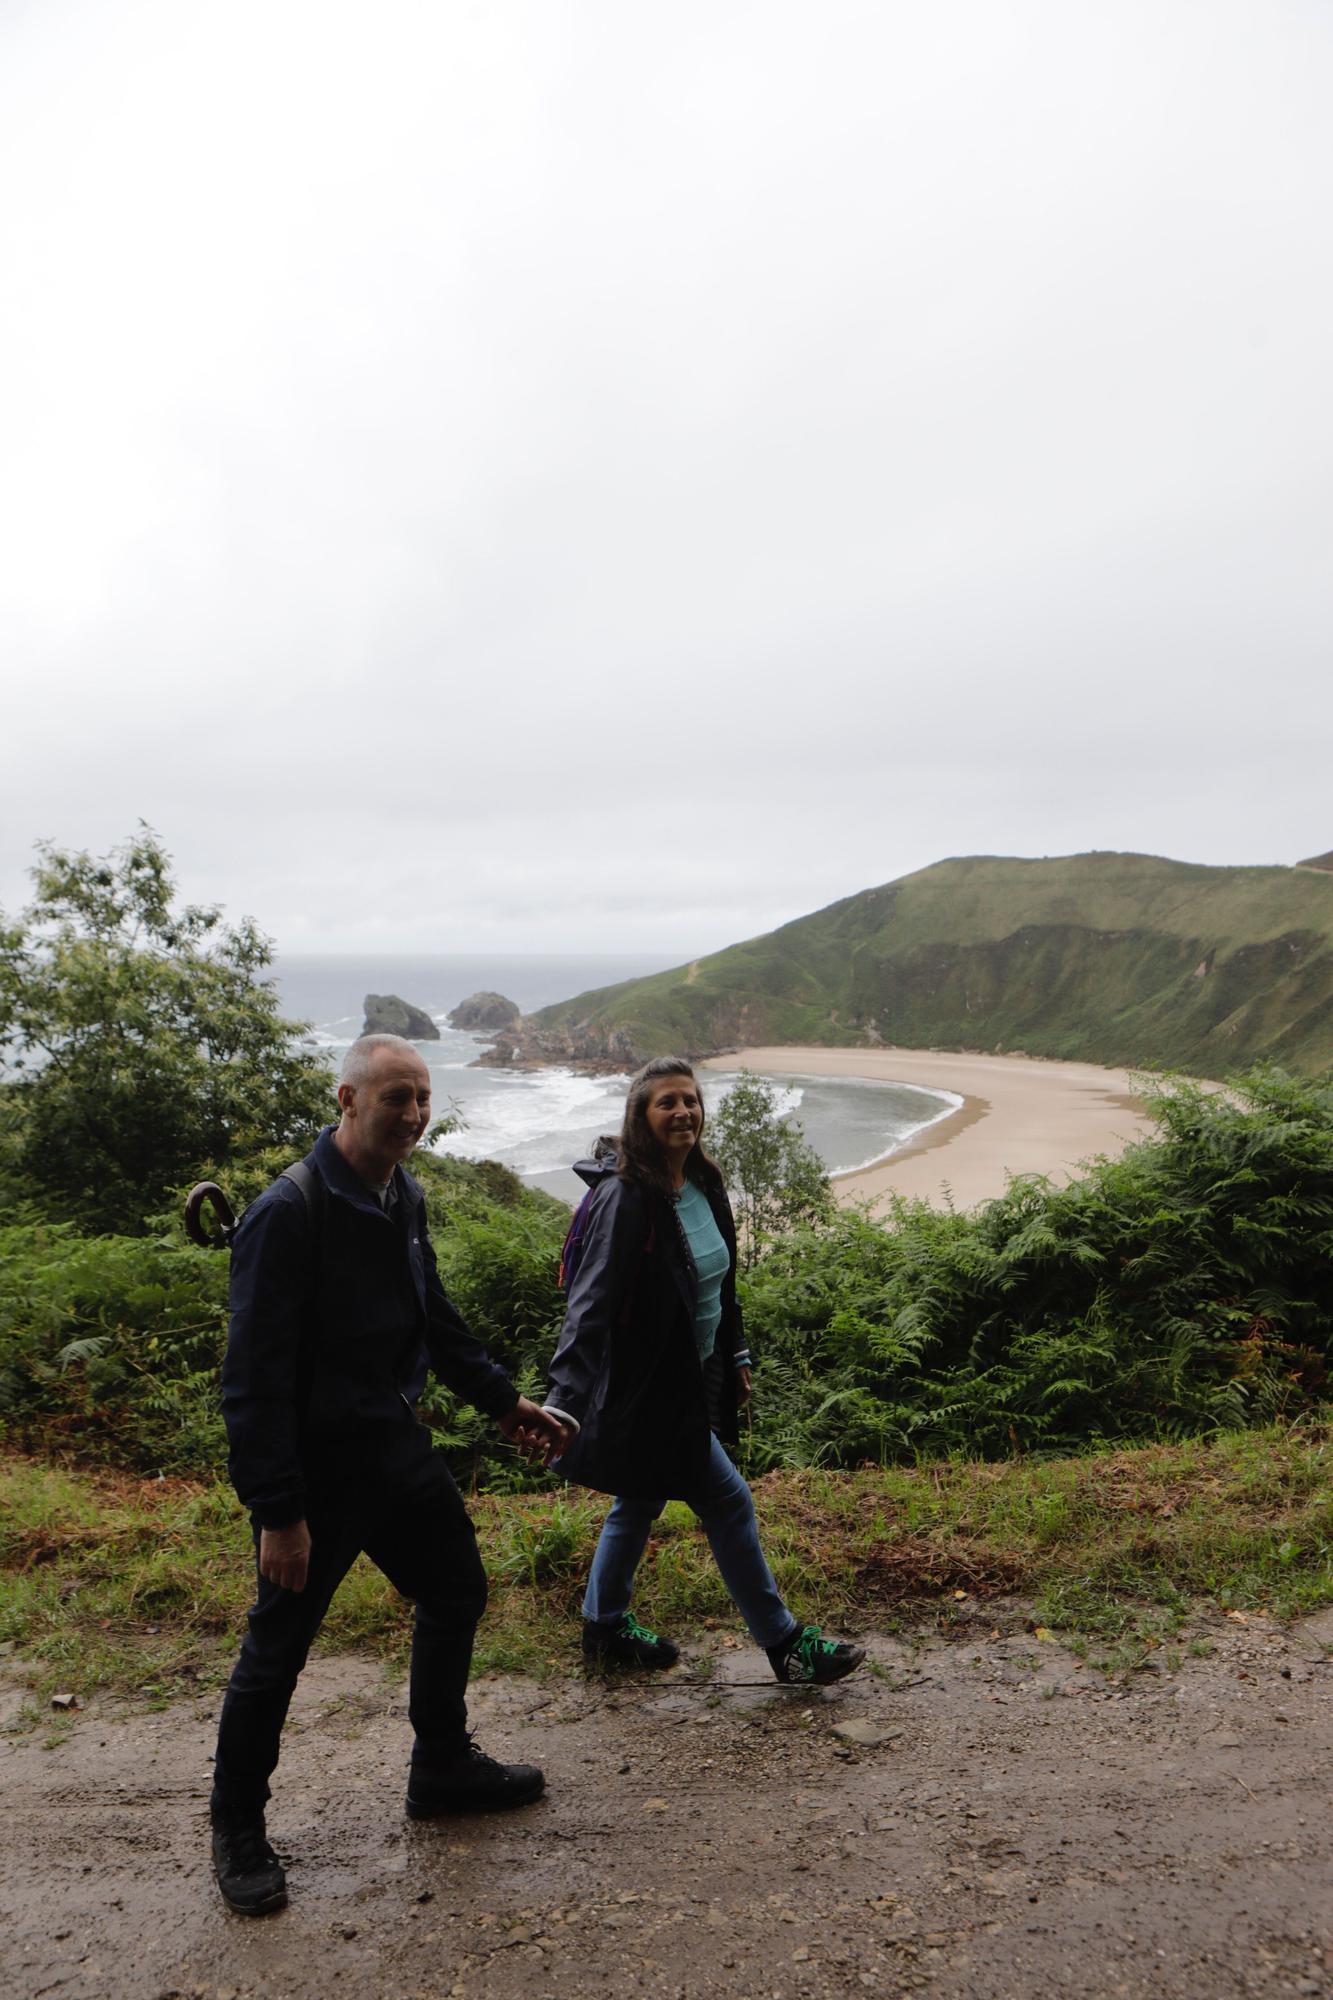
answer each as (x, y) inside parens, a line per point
(337, 1311)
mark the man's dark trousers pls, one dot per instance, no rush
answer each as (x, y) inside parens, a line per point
(406, 1514)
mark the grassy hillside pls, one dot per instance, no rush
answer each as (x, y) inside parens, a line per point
(1112, 958)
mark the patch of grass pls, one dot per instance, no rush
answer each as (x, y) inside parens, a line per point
(107, 1581)
(111, 1583)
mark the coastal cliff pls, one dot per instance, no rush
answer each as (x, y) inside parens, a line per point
(1120, 959)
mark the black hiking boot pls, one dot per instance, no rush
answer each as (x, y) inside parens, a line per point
(474, 1782)
(805, 1658)
(627, 1644)
(249, 1873)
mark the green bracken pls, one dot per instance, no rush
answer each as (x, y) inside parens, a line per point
(1181, 1289)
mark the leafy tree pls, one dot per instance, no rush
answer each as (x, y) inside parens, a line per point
(142, 1042)
(773, 1172)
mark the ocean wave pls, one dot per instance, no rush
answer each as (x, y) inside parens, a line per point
(788, 1096)
(953, 1103)
(539, 1122)
(523, 1108)
(338, 1033)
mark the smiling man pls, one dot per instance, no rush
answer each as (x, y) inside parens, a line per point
(336, 1313)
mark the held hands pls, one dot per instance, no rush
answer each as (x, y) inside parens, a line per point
(284, 1555)
(536, 1432)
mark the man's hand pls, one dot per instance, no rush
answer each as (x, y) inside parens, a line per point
(536, 1432)
(744, 1387)
(284, 1555)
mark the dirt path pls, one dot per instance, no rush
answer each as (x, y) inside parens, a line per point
(1020, 1827)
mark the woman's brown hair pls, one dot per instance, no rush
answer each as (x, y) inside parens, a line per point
(640, 1156)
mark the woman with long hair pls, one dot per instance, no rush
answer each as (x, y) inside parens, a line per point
(652, 1367)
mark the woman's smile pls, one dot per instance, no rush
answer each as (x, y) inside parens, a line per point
(675, 1115)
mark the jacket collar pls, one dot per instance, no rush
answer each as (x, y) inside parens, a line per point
(339, 1178)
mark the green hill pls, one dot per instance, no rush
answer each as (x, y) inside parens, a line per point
(1110, 958)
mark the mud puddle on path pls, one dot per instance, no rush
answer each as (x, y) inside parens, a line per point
(1010, 1823)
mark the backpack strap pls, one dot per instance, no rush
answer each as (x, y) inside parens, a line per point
(303, 1176)
(571, 1251)
(300, 1175)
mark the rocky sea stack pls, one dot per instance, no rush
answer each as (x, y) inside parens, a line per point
(485, 1012)
(386, 1014)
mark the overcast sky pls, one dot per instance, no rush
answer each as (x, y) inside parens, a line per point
(538, 476)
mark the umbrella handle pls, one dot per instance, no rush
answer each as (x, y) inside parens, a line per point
(220, 1237)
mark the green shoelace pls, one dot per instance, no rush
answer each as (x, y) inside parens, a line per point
(806, 1649)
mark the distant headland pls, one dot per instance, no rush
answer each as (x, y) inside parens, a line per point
(1127, 960)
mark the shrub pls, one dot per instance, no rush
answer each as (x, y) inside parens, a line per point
(1183, 1287)
(110, 1346)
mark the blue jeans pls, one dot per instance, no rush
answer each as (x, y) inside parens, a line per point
(726, 1512)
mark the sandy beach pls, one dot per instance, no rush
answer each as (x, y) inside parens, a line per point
(1019, 1115)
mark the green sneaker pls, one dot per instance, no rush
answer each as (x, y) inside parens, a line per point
(806, 1658)
(627, 1644)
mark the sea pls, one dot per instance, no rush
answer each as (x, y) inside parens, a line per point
(539, 1121)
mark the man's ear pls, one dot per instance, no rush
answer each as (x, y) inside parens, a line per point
(346, 1097)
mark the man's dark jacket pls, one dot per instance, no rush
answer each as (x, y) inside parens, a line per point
(627, 1366)
(336, 1312)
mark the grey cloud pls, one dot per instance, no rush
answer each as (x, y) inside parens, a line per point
(515, 473)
